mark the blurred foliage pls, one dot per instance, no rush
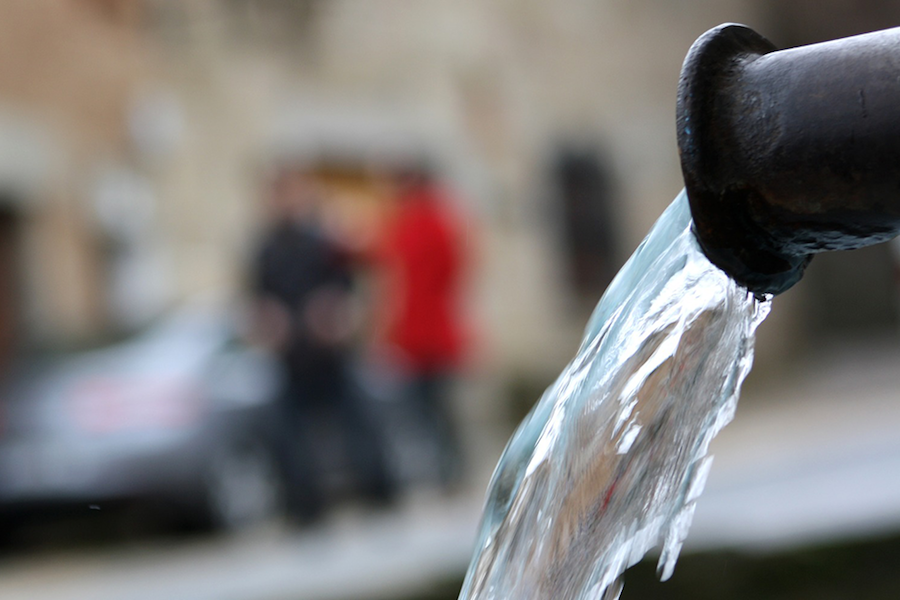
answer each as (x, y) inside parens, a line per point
(863, 571)
(445, 590)
(523, 390)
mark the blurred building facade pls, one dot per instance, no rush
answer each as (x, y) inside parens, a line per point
(490, 91)
(133, 136)
(66, 76)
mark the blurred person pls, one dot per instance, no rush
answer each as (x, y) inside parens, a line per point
(420, 325)
(302, 287)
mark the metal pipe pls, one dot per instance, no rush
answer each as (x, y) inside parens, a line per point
(789, 153)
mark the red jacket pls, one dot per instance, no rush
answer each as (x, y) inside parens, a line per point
(424, 257)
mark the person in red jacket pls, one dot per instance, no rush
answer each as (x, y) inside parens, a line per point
(423, 264)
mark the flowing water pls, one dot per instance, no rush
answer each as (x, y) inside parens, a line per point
(611, 460)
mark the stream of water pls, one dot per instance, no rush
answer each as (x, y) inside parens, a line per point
(611, 460)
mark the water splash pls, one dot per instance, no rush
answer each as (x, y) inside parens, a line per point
(612, 459)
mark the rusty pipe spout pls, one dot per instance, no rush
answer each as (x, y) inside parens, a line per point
(786, 153)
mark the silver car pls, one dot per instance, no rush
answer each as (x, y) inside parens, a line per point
(180, 415)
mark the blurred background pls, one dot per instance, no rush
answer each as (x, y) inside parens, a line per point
(214, 379)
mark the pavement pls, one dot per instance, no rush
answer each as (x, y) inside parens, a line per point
(812, 460)
(356, 554)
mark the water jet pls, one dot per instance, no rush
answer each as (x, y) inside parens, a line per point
(784, 154)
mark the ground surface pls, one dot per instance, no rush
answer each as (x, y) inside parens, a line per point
(815, 463)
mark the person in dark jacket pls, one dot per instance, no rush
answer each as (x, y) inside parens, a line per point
(302, 284)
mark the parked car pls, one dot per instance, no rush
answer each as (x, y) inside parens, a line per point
(178, 415)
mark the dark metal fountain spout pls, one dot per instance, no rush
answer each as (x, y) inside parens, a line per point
(789, 153)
